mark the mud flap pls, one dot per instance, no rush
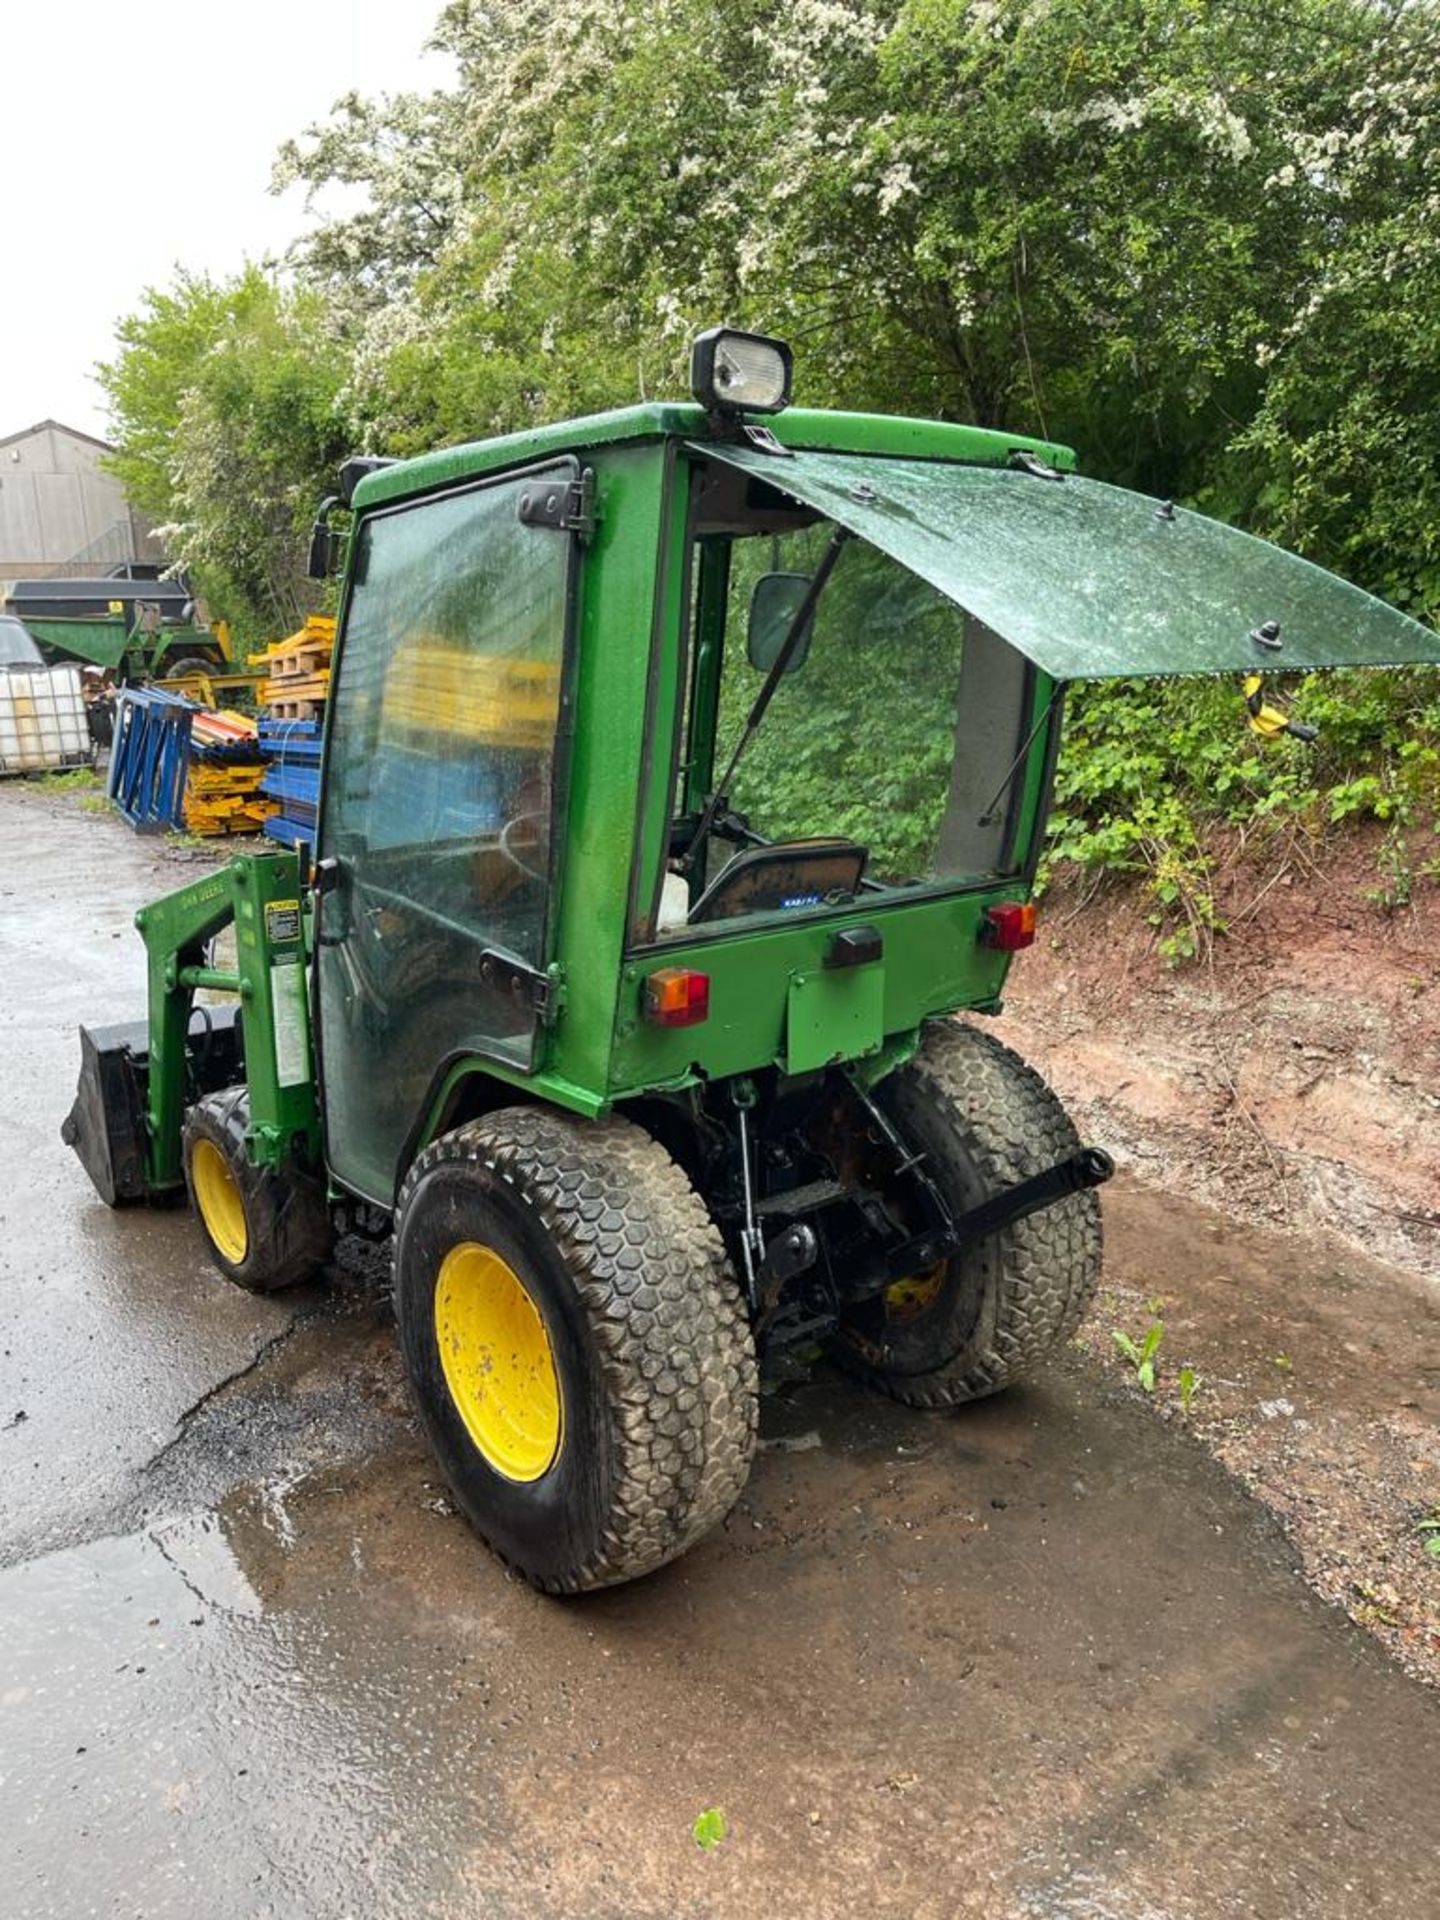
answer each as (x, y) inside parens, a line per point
(107, 1123)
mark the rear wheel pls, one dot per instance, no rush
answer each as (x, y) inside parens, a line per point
(265, 1229)
(184, 664)
(576, 1342)
(992, 1312)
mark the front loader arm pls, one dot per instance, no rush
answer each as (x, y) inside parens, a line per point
(260, 894)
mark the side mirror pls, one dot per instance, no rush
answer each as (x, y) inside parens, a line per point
(777, 598)
(325, 544)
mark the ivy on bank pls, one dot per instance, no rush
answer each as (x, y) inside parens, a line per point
(1153, 771)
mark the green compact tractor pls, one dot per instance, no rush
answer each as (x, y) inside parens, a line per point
(685, 774)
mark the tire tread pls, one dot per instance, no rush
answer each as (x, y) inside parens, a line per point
(285, 1214)
(1013, 1126)
(669, 1324)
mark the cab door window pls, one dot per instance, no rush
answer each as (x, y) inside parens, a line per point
(440, 804)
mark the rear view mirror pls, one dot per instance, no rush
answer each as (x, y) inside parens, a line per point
(777, 598)
(325, 544)
(324, 553)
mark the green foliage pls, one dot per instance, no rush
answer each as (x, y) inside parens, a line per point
(1188, 1382)
(1141, 1353)
(1082, 218)
(710, 1829)
(1338, 457)
(1151, 768)
(226, 403)
(1201, 243)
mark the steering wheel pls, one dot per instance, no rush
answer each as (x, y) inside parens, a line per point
(535, 817)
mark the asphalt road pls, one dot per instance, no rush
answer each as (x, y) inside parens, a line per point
(1040, 1658)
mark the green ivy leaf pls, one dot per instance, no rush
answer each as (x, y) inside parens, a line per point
(710, 1829)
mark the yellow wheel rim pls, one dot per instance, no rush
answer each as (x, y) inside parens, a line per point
(497, 1361)
(218, 1198)
(907, 1298)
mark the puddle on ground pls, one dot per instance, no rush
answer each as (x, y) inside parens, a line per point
(197, 1548)
(171, 1746)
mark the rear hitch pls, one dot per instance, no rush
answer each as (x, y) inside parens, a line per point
(1089, 1167)
(787, 1254)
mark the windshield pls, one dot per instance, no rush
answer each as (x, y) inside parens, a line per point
(888, 758)
(17, 649)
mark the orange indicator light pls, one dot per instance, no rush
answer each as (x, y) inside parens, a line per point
(676, 997)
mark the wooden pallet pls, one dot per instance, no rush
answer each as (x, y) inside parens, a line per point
(298, 663)
(300, 686)
(295, 709)
(300, 657)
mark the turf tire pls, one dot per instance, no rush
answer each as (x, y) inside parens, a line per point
(288, 1231)
(647, 1328)
(984, 1120)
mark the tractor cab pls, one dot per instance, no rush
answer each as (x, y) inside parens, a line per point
(685, 773)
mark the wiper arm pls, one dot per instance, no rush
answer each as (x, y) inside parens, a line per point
(799, 621)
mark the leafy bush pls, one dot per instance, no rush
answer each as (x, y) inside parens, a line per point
(1151, 769)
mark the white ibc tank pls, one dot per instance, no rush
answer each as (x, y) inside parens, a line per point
(42, 720)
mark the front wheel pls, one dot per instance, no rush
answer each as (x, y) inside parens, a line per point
(265, 1228)
(576, 1343)
(969, 1325)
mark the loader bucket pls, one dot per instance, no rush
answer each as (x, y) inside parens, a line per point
(108, 1124)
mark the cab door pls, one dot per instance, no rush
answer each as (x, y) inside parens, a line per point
(441, 800)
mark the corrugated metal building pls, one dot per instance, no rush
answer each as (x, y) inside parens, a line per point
(60, 512)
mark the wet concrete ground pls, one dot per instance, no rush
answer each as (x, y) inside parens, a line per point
(1042, 1658)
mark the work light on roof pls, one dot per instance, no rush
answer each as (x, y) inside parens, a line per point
(740, 372)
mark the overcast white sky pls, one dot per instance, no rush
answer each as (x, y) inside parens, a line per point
(139, 137)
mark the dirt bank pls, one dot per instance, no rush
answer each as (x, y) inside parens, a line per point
(1291, 1077)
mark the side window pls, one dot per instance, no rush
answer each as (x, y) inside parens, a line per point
(446, 712)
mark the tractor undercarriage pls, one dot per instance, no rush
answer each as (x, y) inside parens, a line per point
(824, 1205)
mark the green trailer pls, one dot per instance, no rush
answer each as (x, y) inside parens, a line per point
(133, 629)
(647, 1071)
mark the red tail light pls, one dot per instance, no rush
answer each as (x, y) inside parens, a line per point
(676, 997)
(1009, 926)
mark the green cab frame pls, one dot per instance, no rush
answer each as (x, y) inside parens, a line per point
(1177, 593)
(773, 1000)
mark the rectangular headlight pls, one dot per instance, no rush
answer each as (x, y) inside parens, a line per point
(740, 372)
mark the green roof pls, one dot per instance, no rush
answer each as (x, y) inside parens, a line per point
(876, 433)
